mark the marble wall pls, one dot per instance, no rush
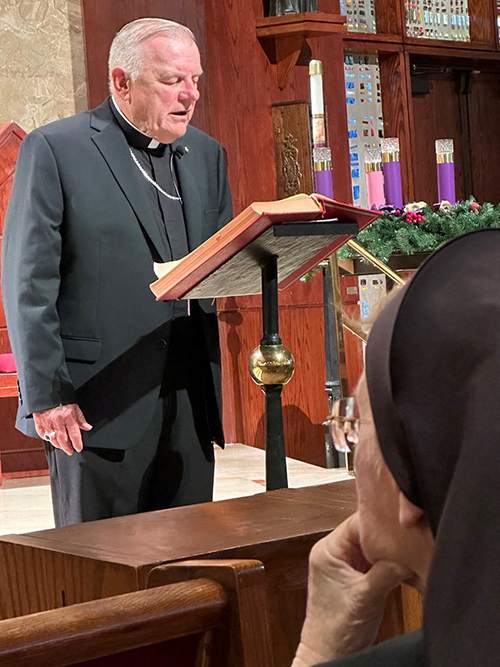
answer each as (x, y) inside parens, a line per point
(42, 62)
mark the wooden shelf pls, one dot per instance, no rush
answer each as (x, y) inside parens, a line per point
(283, 38)
(450, 44)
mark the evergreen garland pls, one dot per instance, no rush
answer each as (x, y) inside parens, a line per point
(422, 229)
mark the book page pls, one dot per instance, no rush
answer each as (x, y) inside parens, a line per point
(162, 268)
(301, 203)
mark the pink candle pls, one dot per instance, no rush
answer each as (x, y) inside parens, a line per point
(374, 179)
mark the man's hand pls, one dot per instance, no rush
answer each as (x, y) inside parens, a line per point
(346, 597)
(65, 422)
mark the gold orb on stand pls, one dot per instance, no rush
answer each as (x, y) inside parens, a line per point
(271, 364)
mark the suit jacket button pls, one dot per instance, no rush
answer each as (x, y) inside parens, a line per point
(162, 344)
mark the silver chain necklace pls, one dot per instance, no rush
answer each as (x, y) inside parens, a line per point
(153, 182)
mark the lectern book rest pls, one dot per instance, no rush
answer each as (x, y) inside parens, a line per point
(301, 230)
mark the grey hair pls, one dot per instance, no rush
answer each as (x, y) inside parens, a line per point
(126, 48)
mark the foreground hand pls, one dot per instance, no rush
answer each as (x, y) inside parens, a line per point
(346, 597)
(65, 421)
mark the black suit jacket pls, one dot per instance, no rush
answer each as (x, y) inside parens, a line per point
(79, 242)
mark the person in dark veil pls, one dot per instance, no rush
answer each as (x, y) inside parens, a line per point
(428, 476)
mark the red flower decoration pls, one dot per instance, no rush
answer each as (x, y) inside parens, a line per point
(415, 218)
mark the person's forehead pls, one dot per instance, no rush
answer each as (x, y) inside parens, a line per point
(162, 48)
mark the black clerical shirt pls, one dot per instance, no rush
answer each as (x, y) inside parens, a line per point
(159, 163)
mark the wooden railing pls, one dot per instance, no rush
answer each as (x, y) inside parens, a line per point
(195, 621)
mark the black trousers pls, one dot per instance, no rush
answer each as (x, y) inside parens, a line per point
(172, 465)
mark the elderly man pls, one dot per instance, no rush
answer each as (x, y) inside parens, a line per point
(124, 389)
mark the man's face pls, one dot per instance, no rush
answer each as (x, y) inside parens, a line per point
(378, 493)
(161, 101)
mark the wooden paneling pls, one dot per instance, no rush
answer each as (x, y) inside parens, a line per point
(397, 112)
(390, 17)
(291, 123)
(469, 118)
(103, 19)
(21, 456)
(484, 111)
(436, 117)
(483, 25)
(305, 404)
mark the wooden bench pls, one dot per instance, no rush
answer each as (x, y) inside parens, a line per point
(197, 619)
(64, 566)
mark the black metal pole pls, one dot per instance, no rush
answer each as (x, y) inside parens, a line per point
(270, 312)
(276, 473)
(332, 385)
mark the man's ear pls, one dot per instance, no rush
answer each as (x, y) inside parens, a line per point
(409, 514)
(121, 82)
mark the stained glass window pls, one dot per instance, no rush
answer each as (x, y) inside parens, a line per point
(364, 115)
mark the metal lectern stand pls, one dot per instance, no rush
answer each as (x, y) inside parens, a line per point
(272, 364)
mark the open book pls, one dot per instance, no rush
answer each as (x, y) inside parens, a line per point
(228, 263)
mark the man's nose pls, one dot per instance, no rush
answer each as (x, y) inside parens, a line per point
(190, 92)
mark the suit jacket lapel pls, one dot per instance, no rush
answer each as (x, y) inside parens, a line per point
(191, 203)
(113, 146)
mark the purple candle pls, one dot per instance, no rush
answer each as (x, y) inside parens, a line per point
(392, 172)
(445, 170)
(323, 182)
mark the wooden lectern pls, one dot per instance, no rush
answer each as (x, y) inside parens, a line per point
(263, 250)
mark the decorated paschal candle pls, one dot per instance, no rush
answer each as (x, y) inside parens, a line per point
(322, 155)
(392, 172)
(445, 170)
(374, 178)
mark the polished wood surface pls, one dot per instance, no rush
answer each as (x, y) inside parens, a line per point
(64, 566)
(244, 583)
(222, 617)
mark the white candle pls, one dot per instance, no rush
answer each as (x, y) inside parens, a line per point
(316, 81)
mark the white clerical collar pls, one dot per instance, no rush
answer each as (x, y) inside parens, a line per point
(153, 143)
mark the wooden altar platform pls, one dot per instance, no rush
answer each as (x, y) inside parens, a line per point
(55, 568)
